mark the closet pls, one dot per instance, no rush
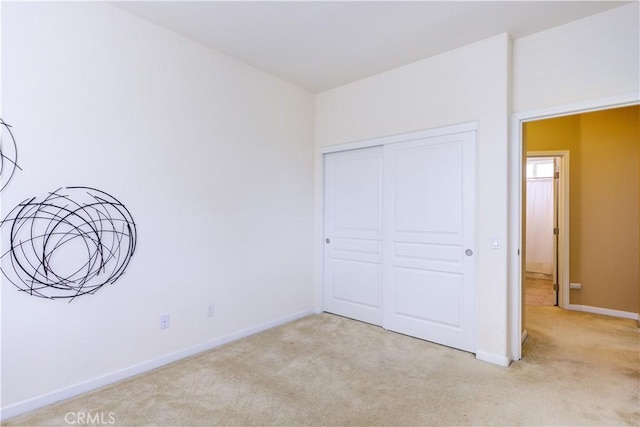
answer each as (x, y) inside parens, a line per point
(399, 235)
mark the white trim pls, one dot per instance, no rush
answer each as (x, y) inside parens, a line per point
(515, 198)
(318, 232)
(579, 107)
(404, 137)
(514, 260)
(493, 358)
(603, 311)
(84, 387)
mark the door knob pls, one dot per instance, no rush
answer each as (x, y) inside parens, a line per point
(328, 240)
(468, 252)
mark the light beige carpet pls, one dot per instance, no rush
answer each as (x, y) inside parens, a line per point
(578, 369)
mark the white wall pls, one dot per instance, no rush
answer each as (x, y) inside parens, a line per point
(593, 58)
(463, 85)
(214, 159)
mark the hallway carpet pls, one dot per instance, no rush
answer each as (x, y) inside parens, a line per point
(578, 369)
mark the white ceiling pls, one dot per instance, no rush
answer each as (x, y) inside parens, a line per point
(320, 45)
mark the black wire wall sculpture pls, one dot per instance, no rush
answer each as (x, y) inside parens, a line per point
(8, 155)
(73, 242)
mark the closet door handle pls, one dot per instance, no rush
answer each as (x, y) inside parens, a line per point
(327, 240)
(468, 252)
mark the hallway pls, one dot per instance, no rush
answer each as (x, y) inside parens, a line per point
(539, 292)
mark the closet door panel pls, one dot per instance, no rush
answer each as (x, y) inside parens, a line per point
(353, 234)
(429, 237)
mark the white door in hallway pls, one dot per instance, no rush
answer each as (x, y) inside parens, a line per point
(353, 234)
(429, 239)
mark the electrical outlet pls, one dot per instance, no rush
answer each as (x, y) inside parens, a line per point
(575, 285)
(211, 310)
(164, 321)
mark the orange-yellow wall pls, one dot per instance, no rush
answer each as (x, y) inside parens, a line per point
(604, 202)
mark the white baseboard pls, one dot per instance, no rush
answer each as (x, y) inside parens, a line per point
(604, 311)
(525, 334)
(84, 387)
(493, 358)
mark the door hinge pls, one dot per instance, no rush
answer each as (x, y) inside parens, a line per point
(556, 231)
(555, 287)
(556, 175)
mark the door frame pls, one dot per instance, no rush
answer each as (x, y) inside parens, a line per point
(516, 332)
(563, 221)
(402, 137)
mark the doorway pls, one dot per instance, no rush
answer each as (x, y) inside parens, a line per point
(604, 141)
(541, 216)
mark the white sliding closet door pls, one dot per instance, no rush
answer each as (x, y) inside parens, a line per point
(429, 289)
(353, 234)
(400, 237)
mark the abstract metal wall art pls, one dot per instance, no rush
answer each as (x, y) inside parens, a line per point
(71, 243)
(8, 155)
